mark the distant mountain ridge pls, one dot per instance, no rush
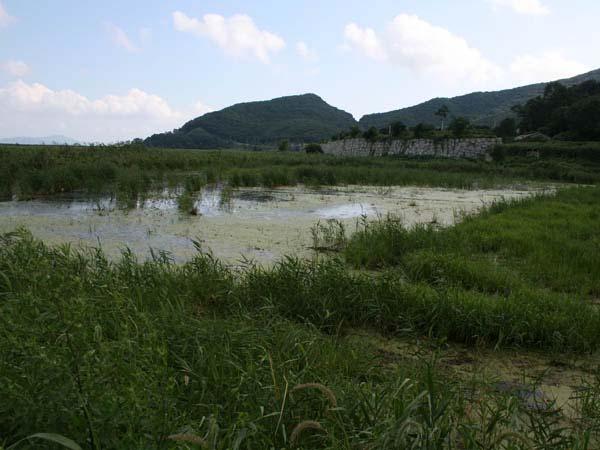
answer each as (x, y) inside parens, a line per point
(299, 118)
(481, 108)
(308, 118)
(48, 140)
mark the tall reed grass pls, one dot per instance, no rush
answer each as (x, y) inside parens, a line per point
(130, 171)
(154, 355)
(132, 354)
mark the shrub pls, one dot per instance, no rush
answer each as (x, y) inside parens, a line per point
(313, 148)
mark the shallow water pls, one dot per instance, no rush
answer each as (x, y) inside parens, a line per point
(256, 224)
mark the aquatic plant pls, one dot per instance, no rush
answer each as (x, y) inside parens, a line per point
(328, 236)
(128, 172)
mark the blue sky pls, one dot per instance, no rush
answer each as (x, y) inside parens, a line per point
(102, 71)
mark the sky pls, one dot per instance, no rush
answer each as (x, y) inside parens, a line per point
(103, 71)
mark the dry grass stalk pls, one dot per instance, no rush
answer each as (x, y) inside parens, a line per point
(189, 438)
(322, 388)
(302, 426)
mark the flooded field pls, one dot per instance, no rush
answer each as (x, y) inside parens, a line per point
(244, 224)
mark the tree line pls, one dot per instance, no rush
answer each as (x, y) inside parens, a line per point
(564, 113)
(561, 112)
(458, 127)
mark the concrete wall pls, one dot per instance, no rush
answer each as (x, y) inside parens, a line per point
(447, 148)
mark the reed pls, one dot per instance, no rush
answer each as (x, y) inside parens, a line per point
(99, 353)
(129, 171)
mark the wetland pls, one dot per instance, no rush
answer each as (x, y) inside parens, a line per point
(179, 299)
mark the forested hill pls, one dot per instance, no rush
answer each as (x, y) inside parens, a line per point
(481, 108)
(299, 118)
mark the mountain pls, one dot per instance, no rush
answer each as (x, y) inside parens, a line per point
(49, 140)
(298, 118)
(482, 108)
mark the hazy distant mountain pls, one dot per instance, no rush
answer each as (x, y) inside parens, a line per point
(299, 118)
(482, 108)
(49, 140)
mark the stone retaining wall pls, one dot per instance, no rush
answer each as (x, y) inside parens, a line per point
(447, 148)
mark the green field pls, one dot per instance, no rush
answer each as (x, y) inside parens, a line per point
(370, 346)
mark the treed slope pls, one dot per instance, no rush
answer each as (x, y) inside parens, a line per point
(482, 108)
(299, 118)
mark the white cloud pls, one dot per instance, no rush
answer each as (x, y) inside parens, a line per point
(306, 53)
(5, 18)
(411, 42)
(200, 108)
(549, 66)
(366, 41)
(526, 7)
(36, 110)
(237, 35)
(120, 38)
(17, 69)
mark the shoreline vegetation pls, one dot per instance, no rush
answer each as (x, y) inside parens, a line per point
(132, 354)
(131, 171)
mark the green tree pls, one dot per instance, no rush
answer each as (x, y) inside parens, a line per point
(313, 148)
(284, 145)
(371, 134)
(567, 112)
(398, 129)
(422, 130)
(354, 132)
(460, 127)
(583, 118)
(507, 128)
(443, 113)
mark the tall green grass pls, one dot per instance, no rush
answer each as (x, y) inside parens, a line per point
(548, 243)
(152, 355)
(130, 171)
(130, 354)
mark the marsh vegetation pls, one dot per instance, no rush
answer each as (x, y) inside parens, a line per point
(380, 342)
(129, 172)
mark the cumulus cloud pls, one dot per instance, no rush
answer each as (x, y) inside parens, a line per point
(525, 7)
(200, 108)
(35, 110)
(5, 18)
(120, 38)
(411, 42)
(237, 35)
(17, 69)
(306, 53)
(366, 41)
(549, 66)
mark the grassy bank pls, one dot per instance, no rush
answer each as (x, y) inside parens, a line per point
(131, 171)
(581, 151)
(144, 355)
(547, 243)
(131, 355)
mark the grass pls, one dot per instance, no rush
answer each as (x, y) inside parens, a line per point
(129, 172)
(153, 355)
(549, 243)
(583, 151)
(130, 354)
(510, 272)
(140, 355)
